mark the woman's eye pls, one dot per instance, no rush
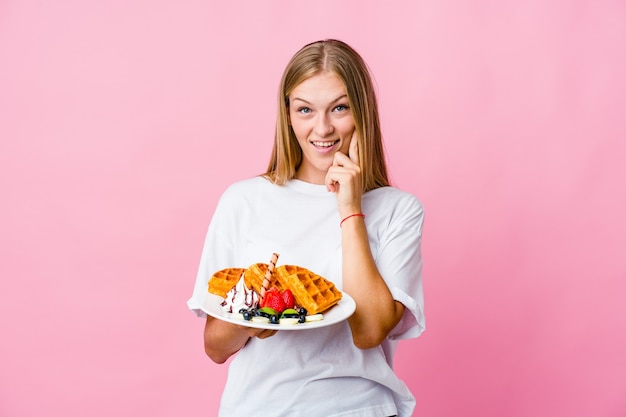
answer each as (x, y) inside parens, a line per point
(304, 110)
(341, 107)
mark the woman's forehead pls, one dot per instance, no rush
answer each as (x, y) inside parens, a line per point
(325, 86)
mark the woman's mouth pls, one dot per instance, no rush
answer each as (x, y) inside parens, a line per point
(324, 146)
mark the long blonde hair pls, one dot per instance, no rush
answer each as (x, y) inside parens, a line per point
(341, 59)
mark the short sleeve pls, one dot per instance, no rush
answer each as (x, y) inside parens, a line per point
(218, 249)
(399, 261)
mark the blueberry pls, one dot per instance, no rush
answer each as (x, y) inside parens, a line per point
(302, 311)
(274, 319)
(302, 319)
(247, 315)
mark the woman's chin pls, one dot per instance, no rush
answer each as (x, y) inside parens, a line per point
(315, 175)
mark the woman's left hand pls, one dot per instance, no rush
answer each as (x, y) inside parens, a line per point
(344, 179)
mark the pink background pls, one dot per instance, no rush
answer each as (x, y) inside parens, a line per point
(122, 122)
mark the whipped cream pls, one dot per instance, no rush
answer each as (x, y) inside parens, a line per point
(240, 297)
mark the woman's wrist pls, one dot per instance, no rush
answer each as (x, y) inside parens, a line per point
(351, 216)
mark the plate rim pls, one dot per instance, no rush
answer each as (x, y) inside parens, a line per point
(346, 304)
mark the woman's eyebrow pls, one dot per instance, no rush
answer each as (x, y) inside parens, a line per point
(341, 97)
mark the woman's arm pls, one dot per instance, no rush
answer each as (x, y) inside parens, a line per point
(223, 339)
(377, 313)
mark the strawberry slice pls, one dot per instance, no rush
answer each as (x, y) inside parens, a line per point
(288, 298)
(274, 300)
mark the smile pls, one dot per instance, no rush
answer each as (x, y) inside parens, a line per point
(325, 144)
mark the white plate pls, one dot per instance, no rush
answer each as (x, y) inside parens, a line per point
(339, 312)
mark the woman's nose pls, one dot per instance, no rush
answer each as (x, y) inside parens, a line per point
(323, 126)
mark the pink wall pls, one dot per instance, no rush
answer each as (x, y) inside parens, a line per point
(122, 122)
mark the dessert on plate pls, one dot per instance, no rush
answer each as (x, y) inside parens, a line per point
(288, 294)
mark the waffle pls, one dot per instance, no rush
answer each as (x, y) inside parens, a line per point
(255, 274)
(224, 280)
(311, 291)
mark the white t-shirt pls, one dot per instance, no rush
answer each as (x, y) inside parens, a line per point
(317, 372)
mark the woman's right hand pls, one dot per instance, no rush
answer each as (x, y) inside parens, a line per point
(260, 333)
(223, 339)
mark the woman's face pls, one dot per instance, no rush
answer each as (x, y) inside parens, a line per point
(321, 119)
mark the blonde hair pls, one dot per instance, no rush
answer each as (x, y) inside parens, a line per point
(337, 57)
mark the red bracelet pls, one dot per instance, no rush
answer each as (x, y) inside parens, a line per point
(352, 215)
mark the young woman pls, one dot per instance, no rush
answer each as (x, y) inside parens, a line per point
(325, 203)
